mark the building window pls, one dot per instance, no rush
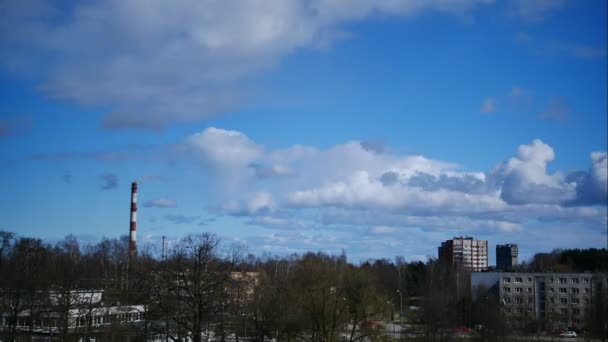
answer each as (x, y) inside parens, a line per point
(529, 309)
(575, 300)
(586, 290)
(575, 280)
(551, 279)
(551, 289)
(563, 290)
(520, 310)
(530, 300)
(563, 300)
(507, 289)
(506, 279)
(529, 280)
(518, 300)
(586, 280)
(563, 280)
(528, 289)
(577, 321)
(518, 290)
(508, 300)
(507, 309)
(574, 290)
(518, 279)
(576, 311)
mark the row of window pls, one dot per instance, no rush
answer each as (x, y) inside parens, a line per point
(516, 279)
(109, 319)
(573, 290)
(518, 300)
(574, 311)
(563, 280)
(572, 301)
(80, 321)
(517, 289)
(518, 310)
(560, 280)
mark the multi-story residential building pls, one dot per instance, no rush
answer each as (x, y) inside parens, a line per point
(467, 252)
(506, 257)
(557, 300)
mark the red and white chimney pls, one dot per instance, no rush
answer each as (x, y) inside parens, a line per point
(133, 226)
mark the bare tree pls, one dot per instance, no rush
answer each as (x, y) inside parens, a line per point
(191, 285)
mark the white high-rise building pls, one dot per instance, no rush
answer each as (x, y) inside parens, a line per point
(471, 254)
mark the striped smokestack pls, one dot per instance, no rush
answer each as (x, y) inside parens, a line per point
(133, 226)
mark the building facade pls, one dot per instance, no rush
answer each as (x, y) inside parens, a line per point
(506, 257)
(554, 300)
(467, 252)
(68, 312)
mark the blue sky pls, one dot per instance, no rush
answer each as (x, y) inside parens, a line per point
(380, 128)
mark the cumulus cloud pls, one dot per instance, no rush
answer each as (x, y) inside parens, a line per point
(374, 145)
(257, 203)
(272, 171)
(155, 62)
(162, 202)
(524, 179)
(109, 181)
(388, 189)
(347, 186)
(591, 186)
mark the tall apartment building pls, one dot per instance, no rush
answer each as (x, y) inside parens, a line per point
(471, 254)
(506, 257)
(556, 300)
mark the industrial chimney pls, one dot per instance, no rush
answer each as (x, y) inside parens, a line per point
(133, 226)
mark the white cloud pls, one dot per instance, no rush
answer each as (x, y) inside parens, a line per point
(599, 170)
(399, 190)
(155, 62)
(524, 179)
(255, 204)
(227, 154)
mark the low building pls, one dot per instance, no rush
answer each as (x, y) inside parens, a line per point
(554, 300)
(69, 312)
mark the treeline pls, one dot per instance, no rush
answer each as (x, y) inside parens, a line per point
(569, 260)
(201, 290)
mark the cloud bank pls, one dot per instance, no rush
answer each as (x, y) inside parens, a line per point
(155, 62)
(352, 185)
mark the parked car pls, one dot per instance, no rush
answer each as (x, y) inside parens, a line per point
(568, 334)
